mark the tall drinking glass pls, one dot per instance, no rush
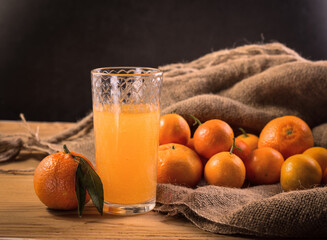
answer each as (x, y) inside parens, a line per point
(126, 113)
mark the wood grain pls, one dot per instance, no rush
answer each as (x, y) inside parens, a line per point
(22, 215)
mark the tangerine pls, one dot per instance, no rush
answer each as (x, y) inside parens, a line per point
(173, 129)
(178, 164)
(225, 169)
(54, 181)
(242, 150)
(250, 139)
(289, 135)
(300, 172)
(263, 166)
(212, 137)
(319, 154)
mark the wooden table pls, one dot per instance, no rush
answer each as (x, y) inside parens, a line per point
(22, 215)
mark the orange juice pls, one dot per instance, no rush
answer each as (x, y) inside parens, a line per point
(126, 140)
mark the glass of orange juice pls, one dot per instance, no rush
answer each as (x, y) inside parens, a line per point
(126, 113)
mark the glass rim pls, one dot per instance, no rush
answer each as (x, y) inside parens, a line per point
(154, 71)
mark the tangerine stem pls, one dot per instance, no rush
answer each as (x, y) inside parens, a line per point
(243, 132)
(68, 152)
(65, 149)
(289, 131)
(234, 146)
(196, 121)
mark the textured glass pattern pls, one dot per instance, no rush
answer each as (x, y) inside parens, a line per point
(112, 86)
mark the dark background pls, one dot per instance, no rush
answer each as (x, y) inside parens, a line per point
(48, 47)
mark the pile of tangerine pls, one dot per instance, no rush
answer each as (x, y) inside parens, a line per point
(283, 152)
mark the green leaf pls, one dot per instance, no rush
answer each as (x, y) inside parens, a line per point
(87, 179)
(80, 190)
(93, 184)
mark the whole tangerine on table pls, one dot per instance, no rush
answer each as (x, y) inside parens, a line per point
(179, 165)
(250, 139)
(289, 135)
(213, 136)
(264, 166)
(54, 181)
(225, 169)
(300, 172)
(173, 129)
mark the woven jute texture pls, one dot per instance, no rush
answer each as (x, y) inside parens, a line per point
(246, 87)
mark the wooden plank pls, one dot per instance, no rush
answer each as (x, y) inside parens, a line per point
(22, 215)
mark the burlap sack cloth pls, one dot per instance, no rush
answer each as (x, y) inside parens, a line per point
(246, 87)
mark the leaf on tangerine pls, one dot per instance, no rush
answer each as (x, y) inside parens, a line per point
(87, 179)
(93, 184)
(80, 190)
